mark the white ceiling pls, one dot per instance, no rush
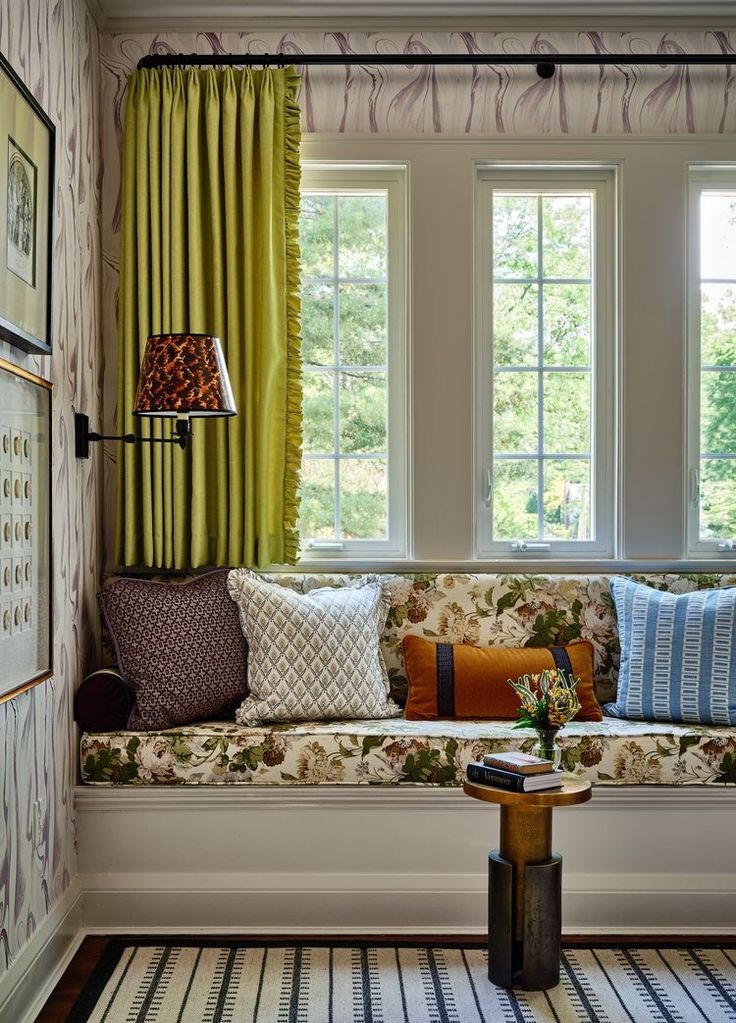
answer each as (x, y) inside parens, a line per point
(223, 13)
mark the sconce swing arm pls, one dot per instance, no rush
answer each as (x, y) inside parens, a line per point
(83, 436)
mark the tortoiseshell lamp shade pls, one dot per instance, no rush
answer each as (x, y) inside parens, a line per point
(183, 374)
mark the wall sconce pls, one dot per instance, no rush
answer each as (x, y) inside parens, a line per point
(182, 376)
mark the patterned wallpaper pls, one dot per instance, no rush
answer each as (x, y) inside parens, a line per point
(54, 47)
(372, 99)
(466, 100)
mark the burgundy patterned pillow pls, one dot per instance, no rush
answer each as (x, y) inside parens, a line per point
(181, 647)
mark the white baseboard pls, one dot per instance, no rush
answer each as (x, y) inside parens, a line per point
(34, 973)
(334, 860)
(320, 904)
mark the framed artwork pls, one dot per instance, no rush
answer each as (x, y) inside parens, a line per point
(25, 530)
(27, 142)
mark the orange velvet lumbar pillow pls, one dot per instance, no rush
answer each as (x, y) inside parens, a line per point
(452, 680)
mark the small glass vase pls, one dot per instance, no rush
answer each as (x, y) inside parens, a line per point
(547, 747)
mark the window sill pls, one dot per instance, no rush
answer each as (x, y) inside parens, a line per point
(512, 566)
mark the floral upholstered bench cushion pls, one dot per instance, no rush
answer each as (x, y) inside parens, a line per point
(395, 751)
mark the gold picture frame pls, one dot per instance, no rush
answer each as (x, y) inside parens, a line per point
(26, 632)
(27, 144)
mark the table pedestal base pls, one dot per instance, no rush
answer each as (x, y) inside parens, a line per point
(525, 884)
(524, 922)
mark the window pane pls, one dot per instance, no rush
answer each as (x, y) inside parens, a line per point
(567, 500)
(515, 413)
(515, 500)
(515, 324)
(362, 235)
(567, 332)
(717, 426)
(345, 405)
(319, 415)
(718, 412)
(718, 235)
(566, 231)
(363, 324)
(515, 235)
(363, 498)
(317, 509)
(318, 325)
(317, 235)
(363, 412)
(718, 324)
(717, 504)
(566, 413)
(544, 324)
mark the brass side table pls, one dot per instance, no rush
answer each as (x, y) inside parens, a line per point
(525, 885)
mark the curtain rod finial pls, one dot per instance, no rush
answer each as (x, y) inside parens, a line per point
(546, 69)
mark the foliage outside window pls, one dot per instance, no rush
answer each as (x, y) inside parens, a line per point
(713, 359)
(542, 328)
(352, 292)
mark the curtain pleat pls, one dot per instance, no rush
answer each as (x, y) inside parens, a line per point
(210, 205)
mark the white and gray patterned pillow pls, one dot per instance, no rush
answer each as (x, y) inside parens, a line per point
(313, 656)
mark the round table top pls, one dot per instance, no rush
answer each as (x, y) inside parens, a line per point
(574, 790)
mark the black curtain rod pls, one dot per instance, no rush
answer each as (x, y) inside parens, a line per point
(544, 64)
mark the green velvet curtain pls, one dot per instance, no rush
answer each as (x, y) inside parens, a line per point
(210, 203)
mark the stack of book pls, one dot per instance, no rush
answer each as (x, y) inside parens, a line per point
(518, 772)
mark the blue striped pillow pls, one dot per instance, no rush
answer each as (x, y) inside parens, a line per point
(678, 654)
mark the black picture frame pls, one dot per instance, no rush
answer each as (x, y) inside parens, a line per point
(27, 191)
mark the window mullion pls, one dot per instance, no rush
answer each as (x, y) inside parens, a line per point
(540, 372)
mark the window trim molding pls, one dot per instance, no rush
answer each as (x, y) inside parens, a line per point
(360, 176)
(603, 179)
(700, 176)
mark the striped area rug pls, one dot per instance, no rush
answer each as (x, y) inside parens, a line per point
(236, 983)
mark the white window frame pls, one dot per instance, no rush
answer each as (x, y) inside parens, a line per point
(602, 183)
(701, 179)
(391, 179)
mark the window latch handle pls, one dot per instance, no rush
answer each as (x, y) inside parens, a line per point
(727, 545)
(528, 547)
(324, 545)
(488, 489)
(694, 486)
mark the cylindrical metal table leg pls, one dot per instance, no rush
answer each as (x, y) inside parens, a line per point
(524, 902)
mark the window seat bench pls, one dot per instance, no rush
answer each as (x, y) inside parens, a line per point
(362, 827)
(400, 752)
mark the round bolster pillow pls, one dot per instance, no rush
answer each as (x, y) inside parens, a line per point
(103, 702)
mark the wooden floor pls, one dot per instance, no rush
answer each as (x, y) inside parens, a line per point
(60, 1003)
(65, 994)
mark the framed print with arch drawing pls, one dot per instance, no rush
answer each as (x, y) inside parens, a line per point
(26, 208)
(25, 530)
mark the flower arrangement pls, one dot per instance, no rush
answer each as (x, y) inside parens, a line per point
(548, 700)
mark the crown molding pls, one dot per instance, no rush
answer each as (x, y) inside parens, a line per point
(187, 15)
(134, 26)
